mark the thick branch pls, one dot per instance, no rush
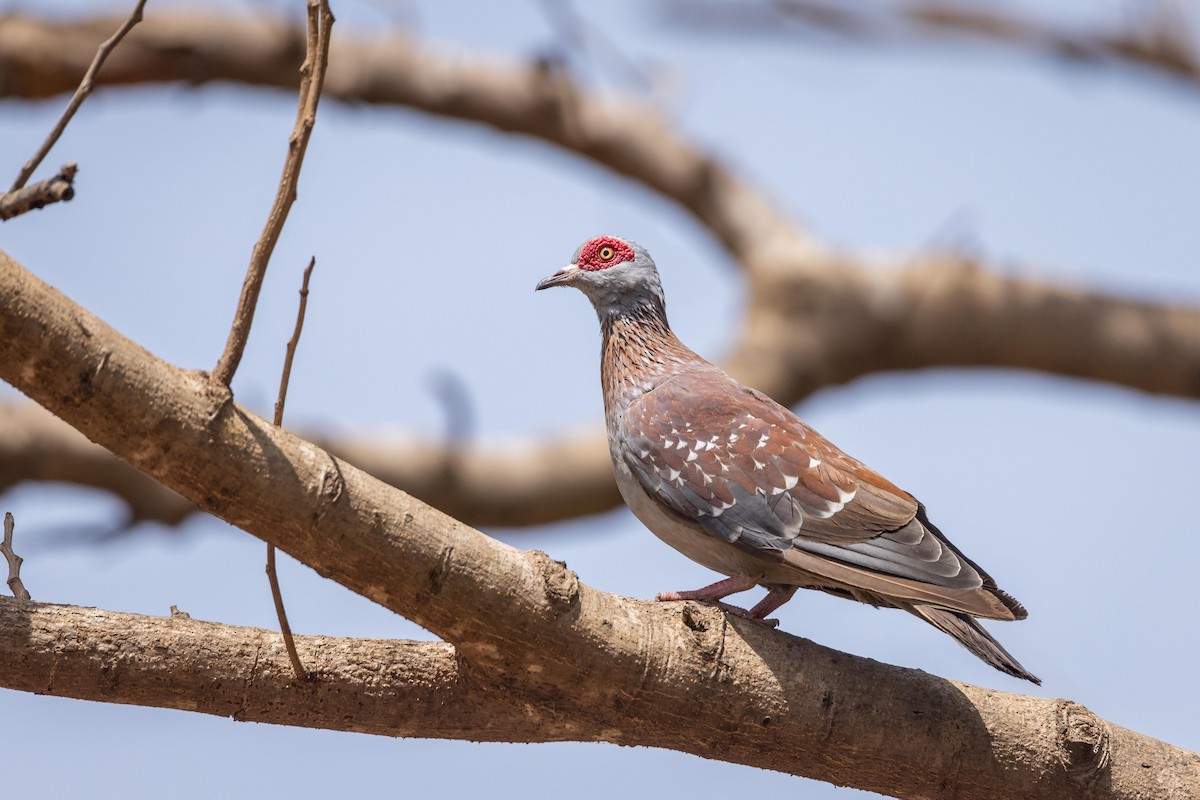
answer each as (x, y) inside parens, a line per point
(814, 324)
(667, 675)
(777, 255)
(379, 686)
(38, 55)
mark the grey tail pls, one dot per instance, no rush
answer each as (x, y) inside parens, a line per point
(971, 635)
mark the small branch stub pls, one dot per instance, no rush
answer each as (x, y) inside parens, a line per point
(14, 561)
(58, 189)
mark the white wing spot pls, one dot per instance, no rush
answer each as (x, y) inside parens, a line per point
(790, 481)
(691, 456)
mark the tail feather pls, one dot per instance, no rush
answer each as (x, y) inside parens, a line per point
(971, 635)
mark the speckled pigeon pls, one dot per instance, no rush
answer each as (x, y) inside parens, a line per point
(738, 483)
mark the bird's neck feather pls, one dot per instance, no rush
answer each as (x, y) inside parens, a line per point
(638, 352)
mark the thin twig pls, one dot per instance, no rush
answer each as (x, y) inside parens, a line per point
(1159, 41)
(40, 194)
(320, 22)
(286, 377)
(288, 640)
(576, 36)
(85, 88)
(14, 561)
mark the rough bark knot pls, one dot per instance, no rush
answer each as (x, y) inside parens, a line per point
(1085, 741)
(562, 584)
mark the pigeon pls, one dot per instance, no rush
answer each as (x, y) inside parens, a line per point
(738, 483)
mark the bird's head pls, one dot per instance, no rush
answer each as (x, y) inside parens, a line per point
(616, 274)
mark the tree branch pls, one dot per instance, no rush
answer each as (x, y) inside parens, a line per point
(679, 676)
(1157, 41)
(60, 188)
(285, 378)
(85, 88)
(809, 326)
(815, 316)
(316, 60)
(15, 584)
(820, 323)
(379, 686)
(535, 100)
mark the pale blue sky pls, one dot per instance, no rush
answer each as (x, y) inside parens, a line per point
(429, 237)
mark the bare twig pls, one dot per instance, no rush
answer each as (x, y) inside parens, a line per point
(40, 194)
(290, 355)
(288, 640)
(14, 561)
(1159, 41)
(320, 22)
(577, 36)
(85, 88)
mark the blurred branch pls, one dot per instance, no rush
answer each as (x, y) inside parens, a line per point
(582, 663)
(81, 93)
(35, 445)
(815, 316)
(809, 326)
(37, 56)
(575, 37)
(1158, 40)
(59, 188)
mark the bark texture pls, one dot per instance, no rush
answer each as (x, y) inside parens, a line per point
(678, 676)
(379, 686)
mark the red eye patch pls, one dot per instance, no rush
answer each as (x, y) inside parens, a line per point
(604, 252)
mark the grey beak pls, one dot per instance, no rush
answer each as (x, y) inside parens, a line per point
(564, 277)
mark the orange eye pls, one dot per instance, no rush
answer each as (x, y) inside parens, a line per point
(606, 253)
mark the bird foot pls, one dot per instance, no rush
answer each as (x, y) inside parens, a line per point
(668, 597)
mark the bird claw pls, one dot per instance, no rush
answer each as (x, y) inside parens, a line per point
(741, 613)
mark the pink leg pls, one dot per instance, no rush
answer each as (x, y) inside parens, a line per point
(714, 592)
(777, 595)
